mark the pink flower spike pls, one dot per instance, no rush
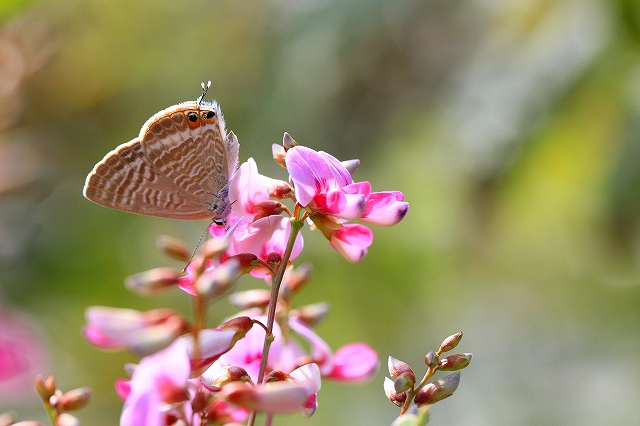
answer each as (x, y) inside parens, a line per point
(354, 363)
(143, 403)
(352, 241)
(385, 208)
(246, 190)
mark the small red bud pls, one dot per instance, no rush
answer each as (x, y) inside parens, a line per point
(267, 208)
(438, 390)
(173, 248)
(153, 281)
(75, 399)
(397, 367)
(404, 381)
(451, 342)
(288, 142)
(279, 154)
(455, 362)
(276, 376)
(66, 419)
(431, 359)
(45, 386)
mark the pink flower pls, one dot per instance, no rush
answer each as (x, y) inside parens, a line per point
(267, 237)
(324, 186)
(157, 375)
(23, 355)
(318, 180)
(354, 363)
(246, 191)
(141, 332)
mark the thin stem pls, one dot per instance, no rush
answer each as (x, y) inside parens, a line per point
(296, 226)
(413, 391)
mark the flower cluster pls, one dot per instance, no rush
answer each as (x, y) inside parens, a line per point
(267, 358)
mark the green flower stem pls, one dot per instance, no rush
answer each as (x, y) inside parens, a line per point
(296, 226)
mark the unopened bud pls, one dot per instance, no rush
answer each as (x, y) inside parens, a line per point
(256, 298)
(151, 339)
(455, 362)
(75, 399)
(288, 142)
(312, 314)
(397, 367)
(351, 165)
(214, 248)
(153, 281)
(389, 390)
(247, 261)
(66, 419)
(267, 208)
(169, 392)
(295, 279)
(450, 342)
(225, 374)
(45, 386)
(8, 418)
(173, 247)
(200, 399)
(276, 376)
(438, 390)
(215, 282)
(404, 381)
(431, 359)
(279, 154)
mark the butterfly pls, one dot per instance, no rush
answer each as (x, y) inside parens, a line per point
(179, 167)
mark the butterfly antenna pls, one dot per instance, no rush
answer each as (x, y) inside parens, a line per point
(204, 92)
(196, 248)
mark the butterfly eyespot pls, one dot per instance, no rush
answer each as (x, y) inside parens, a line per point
(192, 116)
(208, 114)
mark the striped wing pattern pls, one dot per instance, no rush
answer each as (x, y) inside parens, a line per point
(173, 169)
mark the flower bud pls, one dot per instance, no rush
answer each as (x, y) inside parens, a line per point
(455, 362)
(256, 298)
(267, 208)
(173, 248)
(75, 399)
(8, 418)
(389, 390)
(295, 279)
(153, 281)
(288, 142)
(351, 165)
(431, 359)
(169, 392)
(200, 399)
(277, 188)
(215, 282)
(438, 390)
(219, 375)
(247, 261)
(404, 381)
(397, 367)
(45, 386)
(214, 248)
(312, 314)
(279, 154)
(66, 419)
(450, 342)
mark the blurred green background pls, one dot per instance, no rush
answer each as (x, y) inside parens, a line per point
(512, 127)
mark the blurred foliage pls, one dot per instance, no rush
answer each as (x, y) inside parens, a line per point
(511, 127)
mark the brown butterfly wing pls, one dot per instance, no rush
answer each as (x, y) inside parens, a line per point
(191, 156)
(126, 180)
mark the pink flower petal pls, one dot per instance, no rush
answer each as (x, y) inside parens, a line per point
(246, 190)
(340, 173)
(310, 173)
(268, 235)
(142, 406)
(352, 241)
(385, 208)
(355, 362)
